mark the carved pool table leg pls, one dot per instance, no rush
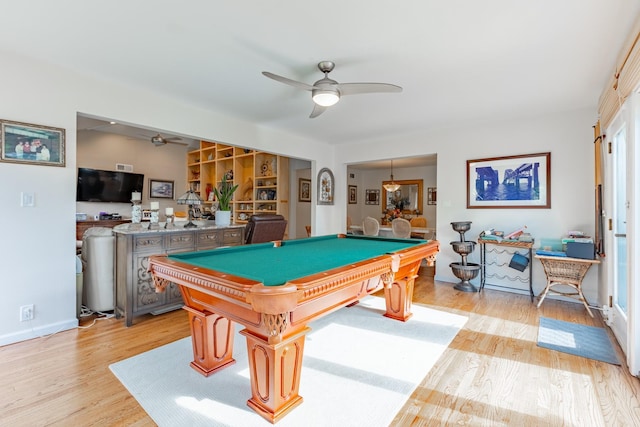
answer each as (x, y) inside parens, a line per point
(212, 340)
(275, 371)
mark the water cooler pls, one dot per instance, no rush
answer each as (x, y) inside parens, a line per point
(99, 276)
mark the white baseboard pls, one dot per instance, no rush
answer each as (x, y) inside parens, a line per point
(38, 332)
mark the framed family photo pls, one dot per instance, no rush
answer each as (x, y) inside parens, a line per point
(31, 144)
(522, 181)
(160, 189)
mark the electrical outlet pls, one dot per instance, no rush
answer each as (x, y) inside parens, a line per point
(26, 313)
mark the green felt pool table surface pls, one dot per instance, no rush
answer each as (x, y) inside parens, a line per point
(294, 259)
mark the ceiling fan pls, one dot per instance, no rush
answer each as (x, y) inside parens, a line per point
(327, 92)
(158, 140)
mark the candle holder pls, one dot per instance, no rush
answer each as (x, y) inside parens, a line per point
(169, 222)
(136, 211)
(154, 218)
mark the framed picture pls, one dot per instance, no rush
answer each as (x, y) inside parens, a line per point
(160, 189)
(31, 144)
(325, 187)
(372, 197)
(432, 194)
(304, 190)
(353, 194)
(522, 181)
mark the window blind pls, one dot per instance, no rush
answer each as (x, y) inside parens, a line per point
(624, 81)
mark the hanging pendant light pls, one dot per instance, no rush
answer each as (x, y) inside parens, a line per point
(391, 186)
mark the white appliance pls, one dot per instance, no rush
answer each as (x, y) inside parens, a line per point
(99, 276)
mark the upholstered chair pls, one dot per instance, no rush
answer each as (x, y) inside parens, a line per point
(265, 228)
(370, 226)
(401, 228)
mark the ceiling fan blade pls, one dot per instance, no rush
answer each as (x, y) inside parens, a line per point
(317, 110)
(287, 81)
(358, 88)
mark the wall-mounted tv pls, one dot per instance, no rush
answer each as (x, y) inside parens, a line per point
(107, 186)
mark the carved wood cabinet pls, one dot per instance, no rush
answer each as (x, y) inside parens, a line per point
(135, 292)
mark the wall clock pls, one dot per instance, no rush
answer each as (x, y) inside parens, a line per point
(325, 187)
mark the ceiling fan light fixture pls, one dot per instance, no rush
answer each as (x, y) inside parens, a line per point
(325, 98)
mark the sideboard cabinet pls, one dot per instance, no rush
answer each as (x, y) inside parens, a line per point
(135, 292)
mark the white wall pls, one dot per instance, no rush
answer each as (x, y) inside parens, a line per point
(99, 150)
(38, 249)
(38, 243)
(372, 180)
(567, 136)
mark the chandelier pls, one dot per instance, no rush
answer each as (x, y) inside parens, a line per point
(391, 186)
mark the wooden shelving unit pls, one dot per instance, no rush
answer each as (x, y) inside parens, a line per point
(262, 178)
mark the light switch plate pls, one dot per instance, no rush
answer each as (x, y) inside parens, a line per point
(27, 200)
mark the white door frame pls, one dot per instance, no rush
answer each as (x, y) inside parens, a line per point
(626, 332)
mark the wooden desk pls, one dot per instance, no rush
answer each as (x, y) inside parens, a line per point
(567, 272)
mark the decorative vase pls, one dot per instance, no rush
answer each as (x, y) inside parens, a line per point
(223, 218)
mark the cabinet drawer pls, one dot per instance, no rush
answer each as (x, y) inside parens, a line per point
(209, 239)
(147, 243)
(232, 237)
(180, 241)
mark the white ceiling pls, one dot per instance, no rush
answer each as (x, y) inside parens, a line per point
(459, 61)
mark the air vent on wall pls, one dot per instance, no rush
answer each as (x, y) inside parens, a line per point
(124, 168)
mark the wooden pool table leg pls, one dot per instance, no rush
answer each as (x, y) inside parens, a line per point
(212, 341)
(275, 371)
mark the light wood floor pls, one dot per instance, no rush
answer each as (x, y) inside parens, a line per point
(492, 374)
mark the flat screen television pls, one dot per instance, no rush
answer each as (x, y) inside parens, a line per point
(107, 186)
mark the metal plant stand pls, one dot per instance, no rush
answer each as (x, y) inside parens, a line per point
(465, 271)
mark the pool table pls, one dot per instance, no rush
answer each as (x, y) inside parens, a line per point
(274, 290)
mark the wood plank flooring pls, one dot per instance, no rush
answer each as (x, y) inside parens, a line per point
(492, 374)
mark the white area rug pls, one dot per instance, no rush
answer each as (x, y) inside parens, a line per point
(381, 363)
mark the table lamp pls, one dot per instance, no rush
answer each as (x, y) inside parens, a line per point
(190, 198)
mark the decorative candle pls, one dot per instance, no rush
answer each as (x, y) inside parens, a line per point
(155, 206)
(136, 195)
(168, 211)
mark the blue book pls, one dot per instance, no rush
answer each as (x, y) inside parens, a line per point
(551, 253)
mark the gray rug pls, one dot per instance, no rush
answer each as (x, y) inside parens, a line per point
(573, 338)
(379, 363)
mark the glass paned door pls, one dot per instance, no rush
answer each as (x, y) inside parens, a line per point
(621, 204)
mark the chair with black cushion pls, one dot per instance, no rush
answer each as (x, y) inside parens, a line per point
(265, 228)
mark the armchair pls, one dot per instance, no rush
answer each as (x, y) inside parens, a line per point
(265, 228)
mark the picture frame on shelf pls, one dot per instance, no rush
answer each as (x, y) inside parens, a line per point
(161, 189)
(304, 190)
(521, 181)
(325, 187)
(353, 194)
(31, 144)
(372, 197)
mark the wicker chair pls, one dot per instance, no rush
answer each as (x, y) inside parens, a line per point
(370, 226)
(401, 228)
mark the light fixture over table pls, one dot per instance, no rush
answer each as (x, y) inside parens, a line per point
(392, 186)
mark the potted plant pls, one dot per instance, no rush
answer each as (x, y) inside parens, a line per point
(224, 194)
